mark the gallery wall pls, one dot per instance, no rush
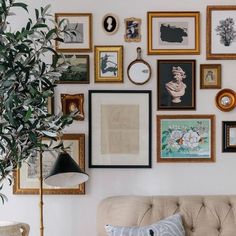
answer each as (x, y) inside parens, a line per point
(76, 214)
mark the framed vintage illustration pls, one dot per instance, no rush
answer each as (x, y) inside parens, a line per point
(27, 177)
(110, 23)
(229, 136)
(80, 40)
(210, 76)
(185, 138)
(221, 37)
(77, 71)
(120, 129)
(109, 64)
(176, 85)
(71, 102)
(173, 33)
(133, 29)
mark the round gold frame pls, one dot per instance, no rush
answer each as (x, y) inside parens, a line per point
(226, 100)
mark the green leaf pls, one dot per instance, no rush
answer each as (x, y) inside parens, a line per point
(27, 115)
(50, 33)
(20, 4)
(36, 26)
(37, 14)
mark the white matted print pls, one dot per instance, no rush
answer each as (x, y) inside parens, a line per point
(108, 64)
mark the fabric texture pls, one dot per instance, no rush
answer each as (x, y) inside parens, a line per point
(171, 226)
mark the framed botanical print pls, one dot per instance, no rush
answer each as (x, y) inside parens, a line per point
(221, 37)
(80, 26)
(132, 29)
(173, 33)
(27, 177)
(77, 71)
(108, 64)
(229, 136)
(210, 76)
(72, 102)
(186, 138)
(120, 129)
(176, 85)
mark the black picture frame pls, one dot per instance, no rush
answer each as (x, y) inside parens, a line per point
(173, 95)
(120, 124)
(228, 143)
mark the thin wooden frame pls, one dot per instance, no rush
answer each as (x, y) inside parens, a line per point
(210, 76)
(120, 129)
(132, 29)
(228, 136)
(185, 138)
(108, 64)
(174, 95)
(26, 178)
(71, 102)
(82, 41)
(186, 28)
(216, 46)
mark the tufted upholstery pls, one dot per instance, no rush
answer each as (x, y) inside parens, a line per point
(202, 215)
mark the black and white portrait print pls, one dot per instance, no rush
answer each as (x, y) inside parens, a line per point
(110, 23)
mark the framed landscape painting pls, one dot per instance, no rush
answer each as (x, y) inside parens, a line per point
(186, 138)
(173, 32)
(176, 85)
(120, 129)
(221, 28)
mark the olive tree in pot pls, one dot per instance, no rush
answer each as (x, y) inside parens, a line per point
(26, 84)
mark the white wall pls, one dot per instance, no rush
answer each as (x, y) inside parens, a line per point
(76, 215)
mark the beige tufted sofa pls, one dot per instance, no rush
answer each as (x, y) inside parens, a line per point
(202, 215)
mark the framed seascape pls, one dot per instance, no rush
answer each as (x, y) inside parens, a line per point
(119, 129)
(26, 179)
(185, 138)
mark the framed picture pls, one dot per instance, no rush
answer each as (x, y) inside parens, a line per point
(109, 64)
(132, 29)
(71, 102)
(229, 136)
(120, 129)
(110, 23)
(186, 138)
(77, 71)
(80, 24)
(221, 37)
(225, 100)
(176, 85)
(210, 76)
(173, 33)
(27, 177)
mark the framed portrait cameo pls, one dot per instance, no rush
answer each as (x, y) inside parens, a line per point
(110, 23)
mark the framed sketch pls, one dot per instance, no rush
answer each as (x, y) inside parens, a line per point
(110, 23)
(210, 76)
(80, 26)
(27, 177)
(173, 33)
(176, 85)
(72, 102)
(132, 29)
(186, 138)
(108, 64)
(119, 129)
(77, 71)
(221, 36)
(229, 136)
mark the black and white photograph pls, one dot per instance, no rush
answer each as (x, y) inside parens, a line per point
(132, 29)
(77, 33)
(110, 23)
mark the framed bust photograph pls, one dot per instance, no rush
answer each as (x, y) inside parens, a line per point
(110, 23)
(176, 85)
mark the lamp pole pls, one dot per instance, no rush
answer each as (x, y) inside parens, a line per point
(41, 192)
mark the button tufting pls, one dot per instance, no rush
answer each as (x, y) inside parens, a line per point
(219, 228)
(203, 204)
(177, 204)
(230, 205)
(192, 229)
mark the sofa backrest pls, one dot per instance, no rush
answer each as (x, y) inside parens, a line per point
(202, 215)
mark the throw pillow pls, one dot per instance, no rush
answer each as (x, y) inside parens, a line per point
(171, 226)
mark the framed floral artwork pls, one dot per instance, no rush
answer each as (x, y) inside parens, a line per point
(186, 138)
(221, 28)
(173, 33)
(176, 85)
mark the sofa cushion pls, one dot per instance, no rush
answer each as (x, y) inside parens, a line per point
(171, 226)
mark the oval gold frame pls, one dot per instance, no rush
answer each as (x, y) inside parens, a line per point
(226, 93)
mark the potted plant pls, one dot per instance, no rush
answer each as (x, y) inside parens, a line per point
(27, 82)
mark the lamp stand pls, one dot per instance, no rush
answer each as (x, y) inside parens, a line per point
(41, 192)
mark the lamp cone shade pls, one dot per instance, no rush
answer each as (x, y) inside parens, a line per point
(65, 172)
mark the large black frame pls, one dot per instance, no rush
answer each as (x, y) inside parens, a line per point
(226, 146)
(93, 114)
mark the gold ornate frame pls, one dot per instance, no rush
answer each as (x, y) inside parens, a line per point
(77, 139)
(138, 38)
(116, 78)
(178, 15)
